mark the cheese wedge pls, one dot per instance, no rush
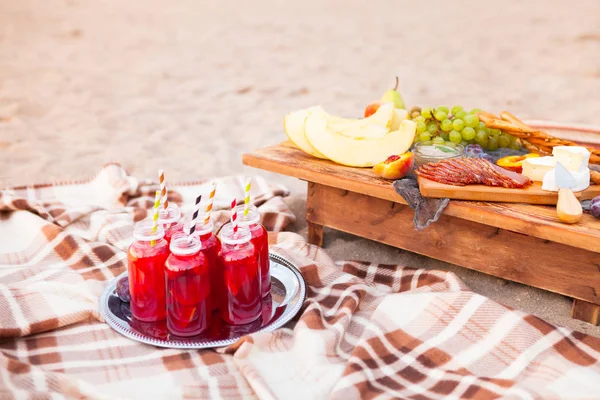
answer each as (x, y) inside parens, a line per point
(582, 180)
(574, 158)
(535, 168)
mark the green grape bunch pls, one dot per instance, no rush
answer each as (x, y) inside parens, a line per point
(459, 126)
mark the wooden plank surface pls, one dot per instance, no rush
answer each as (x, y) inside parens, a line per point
(509, 255)
(538, 221)
(531, 195)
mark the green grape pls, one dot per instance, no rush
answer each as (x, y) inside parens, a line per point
(468, 133)
(492, 143)
(443, 108)
(425, 136)
(421, 127)
(458, 124)
(481, 138)
(418, 119)
(495, 132)
(446, 125)
(456, 109)
(440, 115)
(481, 125)
(426, 112)
(460, 114)
(445, 136)
(471, 120)
(515, 145)
(438, 140)
(432, 128)
(455, 137)
(475, 111)
(503, 141)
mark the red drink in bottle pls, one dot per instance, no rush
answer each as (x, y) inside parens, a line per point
(188, 287)
(241, 274)
(210, 248)
(170, 220)
(260, 240)
(146, 265)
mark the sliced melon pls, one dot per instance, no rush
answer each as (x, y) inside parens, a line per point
(399, 116)
(356, 152)
(293, 125)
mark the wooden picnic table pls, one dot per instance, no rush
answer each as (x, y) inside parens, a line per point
(517, 242)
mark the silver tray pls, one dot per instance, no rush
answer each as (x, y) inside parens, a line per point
(288, 292)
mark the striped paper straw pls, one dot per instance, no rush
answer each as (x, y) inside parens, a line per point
(192, 228)
(234, 216)
(163, 188)
(155, 215)
(209, 206)
(247, 197)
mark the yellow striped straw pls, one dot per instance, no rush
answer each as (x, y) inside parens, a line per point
(247, 197)
(209, 206)
(155, 215)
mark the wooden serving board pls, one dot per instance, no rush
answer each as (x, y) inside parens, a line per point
(530, 195)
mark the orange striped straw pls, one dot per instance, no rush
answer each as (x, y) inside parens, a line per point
(234, 216)
(209, 206)
(163, 188)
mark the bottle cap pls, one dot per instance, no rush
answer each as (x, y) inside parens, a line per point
(142, 231)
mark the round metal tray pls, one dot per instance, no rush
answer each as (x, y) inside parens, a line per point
(288, 292)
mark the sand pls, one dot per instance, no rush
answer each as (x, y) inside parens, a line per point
(188, 86)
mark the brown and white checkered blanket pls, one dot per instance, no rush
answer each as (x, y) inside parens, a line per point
(366, 330)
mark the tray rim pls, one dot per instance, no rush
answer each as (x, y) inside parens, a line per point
(114, 323)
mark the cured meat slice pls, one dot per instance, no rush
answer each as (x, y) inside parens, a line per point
(467, 171)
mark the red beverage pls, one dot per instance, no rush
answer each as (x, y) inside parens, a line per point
(146, 265)
(241, 274)
(260, 240)
(210, 248)
(188, 287)
(170, 220)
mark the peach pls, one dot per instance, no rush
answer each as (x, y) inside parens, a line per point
(371, 108)
(396, 166)
(515, 163)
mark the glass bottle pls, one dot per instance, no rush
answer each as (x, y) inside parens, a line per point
(188, 286)
(170, 220)
(241, 275)
(260, 240)
(146, 263)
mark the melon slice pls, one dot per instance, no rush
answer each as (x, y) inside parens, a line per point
(356, 152)
(293, 125)
(399, 116)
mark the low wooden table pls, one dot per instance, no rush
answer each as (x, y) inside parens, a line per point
(518, 242)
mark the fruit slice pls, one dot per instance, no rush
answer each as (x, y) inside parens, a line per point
(515, 163)
(293, 125)
(395, 167)
(376, 126)
(356, 152)
(399, 115)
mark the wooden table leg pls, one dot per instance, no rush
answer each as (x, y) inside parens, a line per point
(315, 234)
(585, 311)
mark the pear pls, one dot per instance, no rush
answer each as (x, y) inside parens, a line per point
(393, 96)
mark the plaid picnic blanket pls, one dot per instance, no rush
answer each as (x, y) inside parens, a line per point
(365, 331)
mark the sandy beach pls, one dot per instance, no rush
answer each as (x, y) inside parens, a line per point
(189, 86)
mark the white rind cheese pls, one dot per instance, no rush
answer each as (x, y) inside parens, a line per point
(574, 158)
(536, 168)
(582, 180)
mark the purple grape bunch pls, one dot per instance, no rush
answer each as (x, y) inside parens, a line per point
(476, 151)
(595, 207)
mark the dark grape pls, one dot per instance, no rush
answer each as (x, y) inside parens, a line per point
(595, 207)
(123, 289)
(476, 151)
